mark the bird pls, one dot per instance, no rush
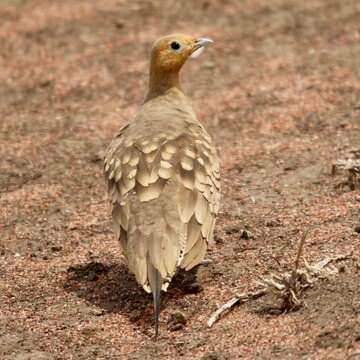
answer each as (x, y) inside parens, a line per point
(163, 176)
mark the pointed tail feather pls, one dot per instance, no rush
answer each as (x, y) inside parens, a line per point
(156, 282)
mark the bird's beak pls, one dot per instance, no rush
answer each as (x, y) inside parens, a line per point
(199, 46)
(201, 42)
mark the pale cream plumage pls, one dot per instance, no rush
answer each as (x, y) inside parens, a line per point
(163, 179)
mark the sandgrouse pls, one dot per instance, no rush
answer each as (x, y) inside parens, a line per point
(163, 176)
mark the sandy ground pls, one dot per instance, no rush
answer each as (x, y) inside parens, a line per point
(280, 93)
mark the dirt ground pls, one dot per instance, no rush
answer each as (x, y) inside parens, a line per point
(280, 93)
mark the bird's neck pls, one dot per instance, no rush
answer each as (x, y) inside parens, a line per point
(161, 82)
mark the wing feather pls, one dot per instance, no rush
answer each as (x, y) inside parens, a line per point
(164, 189)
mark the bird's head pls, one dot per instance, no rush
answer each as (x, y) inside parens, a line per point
(169, 53)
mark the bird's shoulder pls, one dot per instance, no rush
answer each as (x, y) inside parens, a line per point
(160, 145)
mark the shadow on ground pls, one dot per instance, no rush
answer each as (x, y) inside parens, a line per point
(114, 289)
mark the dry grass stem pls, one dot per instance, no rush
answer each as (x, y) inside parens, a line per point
(352, 166)
(288, 287)
(241, 298)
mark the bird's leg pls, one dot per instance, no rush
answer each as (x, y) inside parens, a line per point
(156, 282)
(156, 296)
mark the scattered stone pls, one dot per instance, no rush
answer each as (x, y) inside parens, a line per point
(119, 24)
(357, 229)
(45, 83)
(272, 223)
(73, 226)
(237, 168)
(176, 321)
(246, 234)
(97, 312)
(209, 65)
(290, 167)
(97, 157)
(218, 239)
(88, 331)
(56, 248)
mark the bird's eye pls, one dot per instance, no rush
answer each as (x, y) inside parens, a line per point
(175, 45)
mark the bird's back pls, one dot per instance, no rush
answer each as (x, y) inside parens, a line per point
(163, 179)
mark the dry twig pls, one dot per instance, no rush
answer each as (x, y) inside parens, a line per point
(288, 286)
(352, 166)
(241, 298)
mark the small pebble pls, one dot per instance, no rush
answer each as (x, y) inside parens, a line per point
(218, 239)
(56, 248)
(246, 234)
(176, 321)
(97, 312)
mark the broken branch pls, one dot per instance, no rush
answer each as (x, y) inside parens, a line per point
(287, 286)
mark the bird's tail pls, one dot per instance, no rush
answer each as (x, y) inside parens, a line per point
(156, 282)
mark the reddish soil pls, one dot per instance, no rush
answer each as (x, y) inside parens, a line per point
(279, 91)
